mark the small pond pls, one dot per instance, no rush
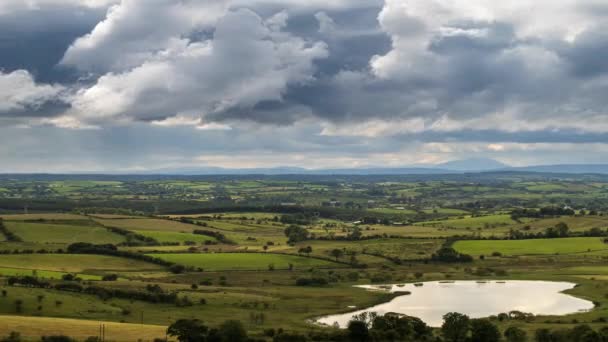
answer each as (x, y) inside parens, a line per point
(429, 301)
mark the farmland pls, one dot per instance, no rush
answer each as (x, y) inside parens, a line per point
(61, 233)
(244, 261)
(74, 263)
(277, 253)
(532, 247)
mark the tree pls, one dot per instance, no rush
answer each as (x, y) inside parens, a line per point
(455, 327)
(515, 334)
(562, 229)
(482, 330)
(177, 269)
(233, 331)
(296, 234)
(12, 337)
(584, 333)
(355, 234)
(305, 250)
(337, 253)
(188, 330)
(542, 335)
(358, 331)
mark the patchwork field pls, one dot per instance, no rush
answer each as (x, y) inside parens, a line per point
(489, 221)
(175, 237)
(148, 224)
(74, 263)
(269, 278)
(62, 233)
(244, 261)
(532, 247)
(35, 272)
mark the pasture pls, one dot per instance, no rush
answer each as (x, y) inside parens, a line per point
(151, 224)
(532, 247)
(45, 233)
(244, 261)
(472, 222)
(34, 272)
(74, 263)
(175, 237)
(34, 327)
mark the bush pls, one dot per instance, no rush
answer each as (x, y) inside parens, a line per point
(313, 281)
(12, 337)
(110, 277)
(57, 338)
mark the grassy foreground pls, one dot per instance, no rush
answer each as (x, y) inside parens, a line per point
(33, 327)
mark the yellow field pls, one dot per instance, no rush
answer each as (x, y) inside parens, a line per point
(34, 327)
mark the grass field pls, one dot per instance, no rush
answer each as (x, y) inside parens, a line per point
(531, 247)
(148, 224)
(34, 327)
(74, 263)
(174, 237)
(7, 272)
(244, 261)
(49, 216)
(57, 233)
(489, 221)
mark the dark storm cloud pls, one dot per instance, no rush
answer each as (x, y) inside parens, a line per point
(586, 56)
(37, 40)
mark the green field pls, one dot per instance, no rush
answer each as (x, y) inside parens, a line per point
(489, 221)
(7, 272)
(244, 261)
(148, 224)
(61, 233)
(174, 237)
(531, 247)
(74, 263)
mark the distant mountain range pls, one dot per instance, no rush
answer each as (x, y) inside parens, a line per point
(474, 165)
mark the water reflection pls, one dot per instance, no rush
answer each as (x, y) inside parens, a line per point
(432, 300)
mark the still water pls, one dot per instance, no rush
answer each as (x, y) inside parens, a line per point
(431, 300)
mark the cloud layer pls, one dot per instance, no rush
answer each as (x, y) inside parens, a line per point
(372, 78)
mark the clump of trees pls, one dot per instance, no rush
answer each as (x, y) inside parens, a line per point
(560, 230)
(194, 330)
(296, 234)
(217, 235)
(390, 327)
(153, 294)
(449, 254)
(133, 239)
(108, 249)
(580, 333)
(10, 236)
(542, 212)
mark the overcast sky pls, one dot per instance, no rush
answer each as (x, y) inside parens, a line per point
(111, 85)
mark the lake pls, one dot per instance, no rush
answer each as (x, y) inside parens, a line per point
(431, 300)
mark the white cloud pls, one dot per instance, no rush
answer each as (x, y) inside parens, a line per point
(19, 92)
(247, 61)
(135, 31)
(8, 6)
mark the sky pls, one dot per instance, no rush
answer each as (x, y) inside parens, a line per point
(133, 85)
